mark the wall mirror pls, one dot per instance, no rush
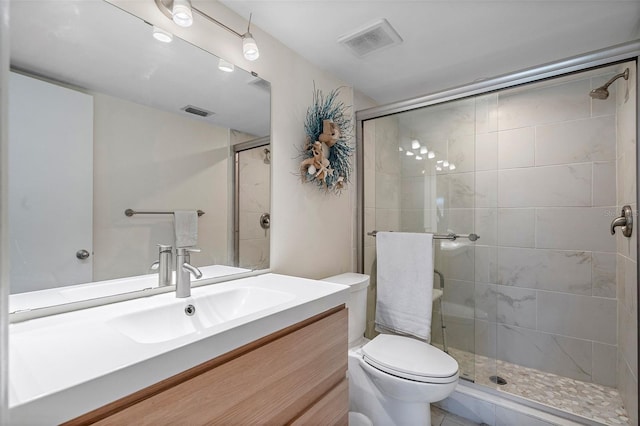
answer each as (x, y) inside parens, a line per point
(103, 118)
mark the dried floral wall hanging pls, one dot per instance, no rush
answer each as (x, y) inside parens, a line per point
(328, 128)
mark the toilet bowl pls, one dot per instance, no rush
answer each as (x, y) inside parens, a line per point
(392, 379)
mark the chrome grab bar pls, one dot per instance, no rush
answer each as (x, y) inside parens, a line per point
(131, 212)
(450, 236)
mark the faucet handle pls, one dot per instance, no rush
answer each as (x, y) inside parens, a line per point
(162, 248)
(188, 249)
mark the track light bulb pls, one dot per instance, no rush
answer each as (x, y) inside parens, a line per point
(249, 47)
(225, 66)
(162, 35)
(181, 13)
(431, 155)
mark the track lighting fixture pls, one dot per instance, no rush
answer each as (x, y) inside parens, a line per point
(162, 35)
(249, 47)
(225, 66)
(181, 12)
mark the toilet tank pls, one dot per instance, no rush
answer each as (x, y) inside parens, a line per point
(357, 303)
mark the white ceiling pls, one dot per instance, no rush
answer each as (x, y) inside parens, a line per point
(446, 43)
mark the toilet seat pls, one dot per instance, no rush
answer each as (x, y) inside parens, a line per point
(410, 359)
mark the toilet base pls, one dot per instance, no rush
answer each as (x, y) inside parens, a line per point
(366, 398)
(399, 415)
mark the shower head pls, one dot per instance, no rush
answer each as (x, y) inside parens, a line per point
(599, 93)
(602, 92)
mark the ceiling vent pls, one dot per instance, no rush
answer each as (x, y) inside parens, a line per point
(371, 38)
(197, 111)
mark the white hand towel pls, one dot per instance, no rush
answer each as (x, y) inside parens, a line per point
(186, 228)
(404, 283)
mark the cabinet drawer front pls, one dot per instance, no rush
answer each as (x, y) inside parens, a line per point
(272, 384)
(332, 409)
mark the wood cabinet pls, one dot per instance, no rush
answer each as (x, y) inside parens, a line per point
(294, 376)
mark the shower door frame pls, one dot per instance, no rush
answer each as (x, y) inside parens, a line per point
(619, 53)
(235, 178)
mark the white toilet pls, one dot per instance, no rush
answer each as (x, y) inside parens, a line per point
(392, 379)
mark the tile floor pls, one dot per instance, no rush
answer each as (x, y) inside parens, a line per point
(439, 417)
(590, 400)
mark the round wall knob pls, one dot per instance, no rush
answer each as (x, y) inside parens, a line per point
(265, 221)
(82, 254)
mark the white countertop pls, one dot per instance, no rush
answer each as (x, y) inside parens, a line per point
(80, 292)
(65, 365)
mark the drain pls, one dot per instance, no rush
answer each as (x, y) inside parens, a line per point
(498, 380)
(190, 310)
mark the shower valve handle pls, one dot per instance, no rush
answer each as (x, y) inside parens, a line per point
(625, 221)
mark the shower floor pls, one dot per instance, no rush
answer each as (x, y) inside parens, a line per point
(596, 402)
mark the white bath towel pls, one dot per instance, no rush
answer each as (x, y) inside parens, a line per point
(404, 283)
(186, 227)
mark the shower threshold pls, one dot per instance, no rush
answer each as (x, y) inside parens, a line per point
(599, 403)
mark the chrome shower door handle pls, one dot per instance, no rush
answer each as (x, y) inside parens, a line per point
(265, 221)
(83, 254)
(625, 221)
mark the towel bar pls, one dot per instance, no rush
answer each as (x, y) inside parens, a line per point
(131, 212)
(450, 236)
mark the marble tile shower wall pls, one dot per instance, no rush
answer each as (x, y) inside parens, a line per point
(627, 256)
(255, 196)
(536, 178)
(382, 199)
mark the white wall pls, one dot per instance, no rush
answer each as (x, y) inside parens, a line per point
(148, 159)
(362, 101)
(4, 245)
(311, 231)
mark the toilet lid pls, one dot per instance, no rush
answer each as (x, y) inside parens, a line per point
(410, 358)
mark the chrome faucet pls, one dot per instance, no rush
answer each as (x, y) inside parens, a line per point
(163, 264)
(184, 270)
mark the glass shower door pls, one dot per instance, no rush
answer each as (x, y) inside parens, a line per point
(543, 305)
(252, 205)
(420, 177)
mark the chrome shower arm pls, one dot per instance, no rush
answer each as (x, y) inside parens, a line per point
(624, 74)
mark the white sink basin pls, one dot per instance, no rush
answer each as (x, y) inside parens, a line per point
(171, 321)
(236, 303)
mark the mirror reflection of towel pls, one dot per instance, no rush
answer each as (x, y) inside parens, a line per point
(186, 227)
